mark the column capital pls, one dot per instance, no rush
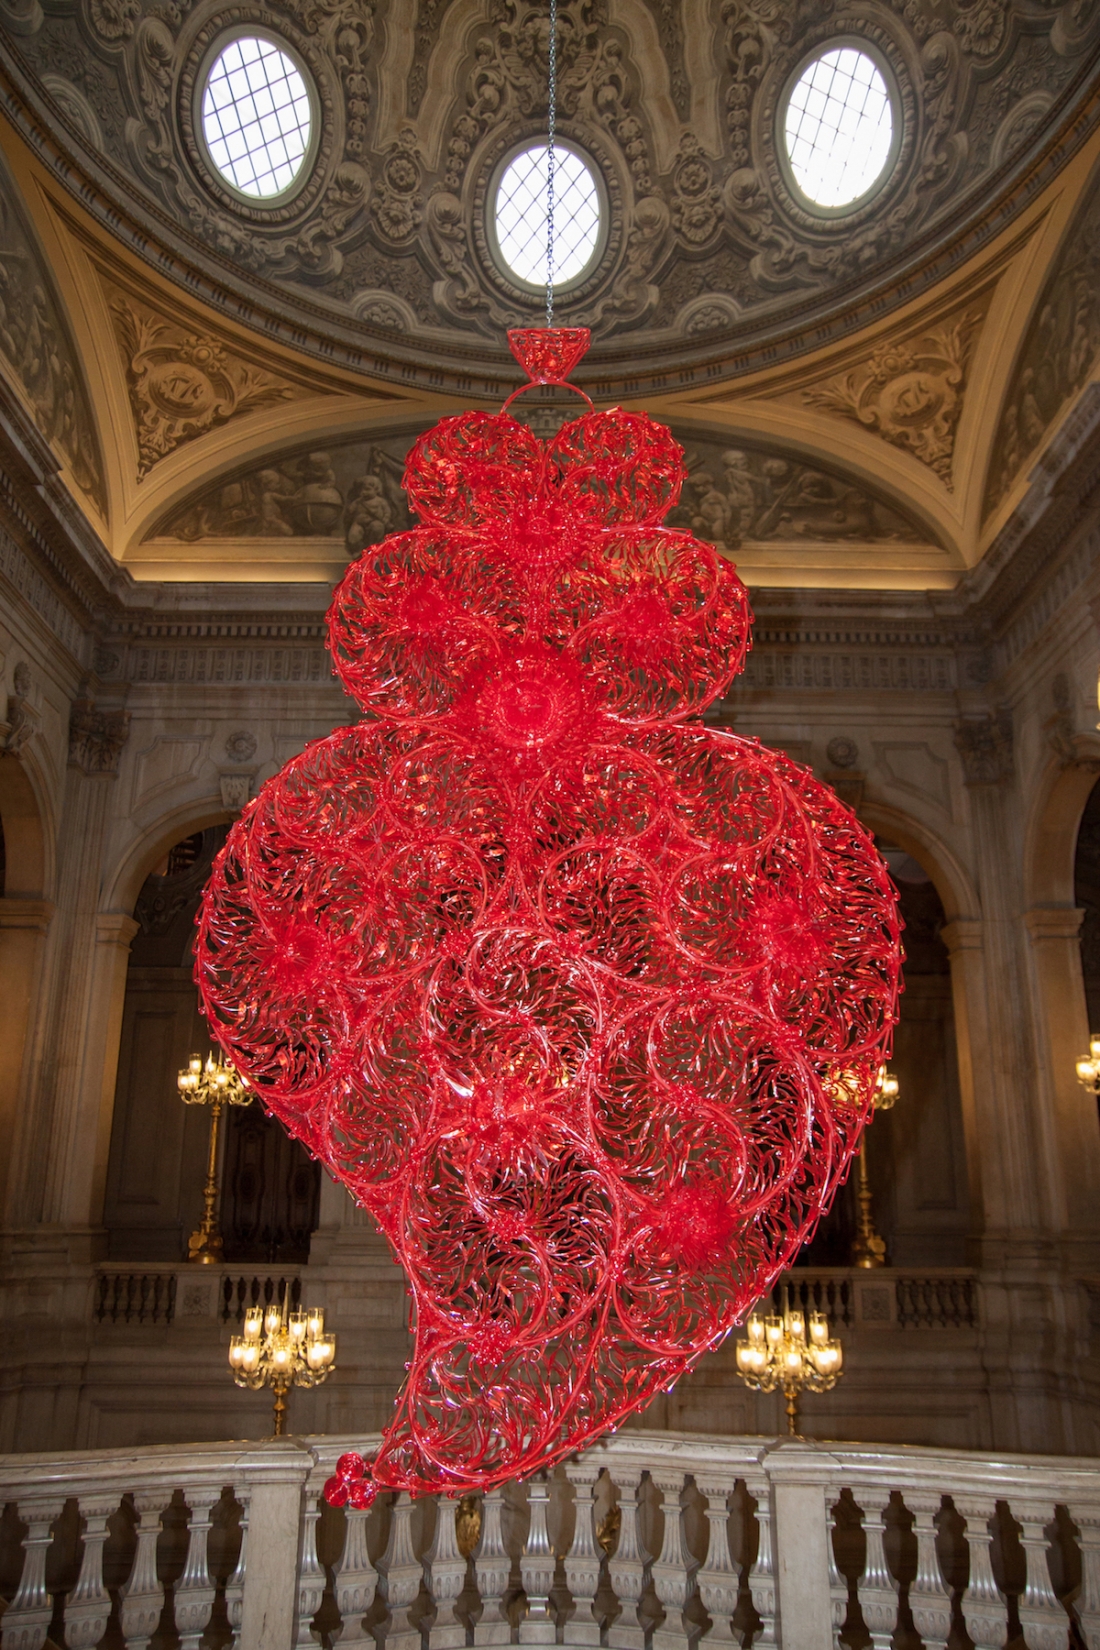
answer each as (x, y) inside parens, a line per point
(115, 928)
(16, 912)
(963, 934)
(1054, 922)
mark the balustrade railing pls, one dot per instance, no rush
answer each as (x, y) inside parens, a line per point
(944, 1299)
(650, 1541)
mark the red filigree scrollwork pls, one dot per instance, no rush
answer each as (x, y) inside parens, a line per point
(582, 999)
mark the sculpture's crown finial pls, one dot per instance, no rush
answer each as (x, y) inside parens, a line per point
(549, 354)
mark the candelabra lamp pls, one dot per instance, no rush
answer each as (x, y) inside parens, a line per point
(793, 1351)
(1088, 1068)
(281, 1349)
(868, 1248)
(214, 1085)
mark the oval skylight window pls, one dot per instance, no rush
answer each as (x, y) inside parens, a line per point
(839, 127)
(257, 118)
(520, 212)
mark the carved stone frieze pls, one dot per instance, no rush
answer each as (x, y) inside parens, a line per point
(183, 384)
(351, 492)
(736, 495)
(910, 393)
(96, 737)
(1059, 351)
(37, 349)
(733, 495)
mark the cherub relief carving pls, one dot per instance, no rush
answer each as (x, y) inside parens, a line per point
(909, 393)
(351, 492)
(35, 345)
(737, 496)
(182, 384)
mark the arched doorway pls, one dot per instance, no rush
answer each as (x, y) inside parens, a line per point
(916, 1153)
(270, 1188)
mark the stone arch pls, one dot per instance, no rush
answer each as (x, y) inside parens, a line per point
(147, 849)
(26, 841)
(963, 938)
(1053, 822)
(953, 881)
(1068, 1120)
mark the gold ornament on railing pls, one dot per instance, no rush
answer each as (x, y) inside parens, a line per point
(794, 1352)
(281, 1349)
(1088, 1067)
(214, 1085)
(868, 1248)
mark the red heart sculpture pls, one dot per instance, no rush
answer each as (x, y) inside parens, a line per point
(582, 999)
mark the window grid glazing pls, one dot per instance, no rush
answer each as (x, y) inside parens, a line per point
(256, 117)
(839, 127)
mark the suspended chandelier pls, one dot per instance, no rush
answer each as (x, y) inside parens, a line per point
(583, 1000)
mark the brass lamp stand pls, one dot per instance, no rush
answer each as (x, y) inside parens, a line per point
(868, 1248)
(212, 1085)
(793, 1352)
(280, 1350)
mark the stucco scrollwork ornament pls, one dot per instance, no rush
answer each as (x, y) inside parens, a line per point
(911, 394)
(398, 203)
(981, 26)
(182, 384)
(697, 204)
(96, 737)
(984, 744)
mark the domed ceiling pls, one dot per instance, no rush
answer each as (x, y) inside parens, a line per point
(861, 394)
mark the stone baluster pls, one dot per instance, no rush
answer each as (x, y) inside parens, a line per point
(582, 1562)
(762, 1574)
(195, 1590)
(878, 1597)
(493, 1567)
(26, 1621)
(1088, 1600)
(143, 1594)
(311, 1575)
(838, 1586)
(536, 1568)
(719, 1577)
(670, 1569)
(234, 1587)
(355, 1583)
(404, 1573)
(983, 1607)
(1045, 1623)
(447, 1578)
(929, 1599)
(88, 1606)
(626, 1566)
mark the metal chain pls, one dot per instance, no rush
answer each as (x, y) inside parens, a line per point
(551, 121)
